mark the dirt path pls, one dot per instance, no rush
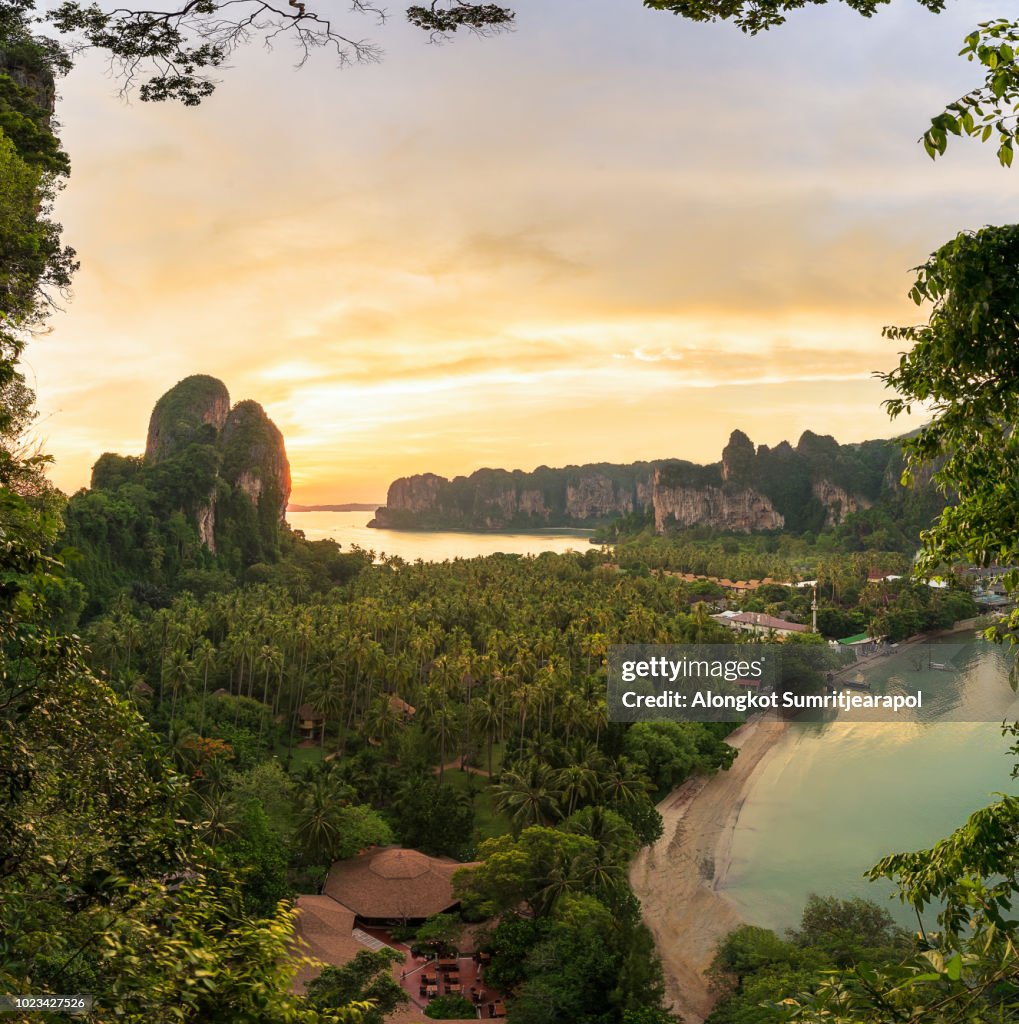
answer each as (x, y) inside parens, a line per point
(456, 765)
(677, 879)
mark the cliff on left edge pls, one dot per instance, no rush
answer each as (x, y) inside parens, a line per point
(209, 494)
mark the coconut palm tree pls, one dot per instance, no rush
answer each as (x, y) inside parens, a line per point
(528, 795)
(317, 829)
(204, 661)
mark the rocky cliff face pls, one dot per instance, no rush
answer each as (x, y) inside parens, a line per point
(222, 456)
(29, 75)
(497, 499)
(805, 488)
(254, 457)
(415, 494)
(837, 501)
(178, 417)
(740, 510)
(595, 496)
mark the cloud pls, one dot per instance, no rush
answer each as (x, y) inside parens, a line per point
(613, 234)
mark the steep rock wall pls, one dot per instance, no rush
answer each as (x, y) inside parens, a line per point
(740, 510)
(240, 451)
(837, 501)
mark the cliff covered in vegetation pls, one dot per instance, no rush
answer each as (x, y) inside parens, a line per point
(202, 509)
(815, 485)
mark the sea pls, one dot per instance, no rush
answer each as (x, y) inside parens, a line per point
(351, 528)
(831, 800)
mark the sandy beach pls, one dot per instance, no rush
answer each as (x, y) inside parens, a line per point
(677, 879)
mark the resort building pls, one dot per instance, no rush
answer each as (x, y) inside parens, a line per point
(309, 721)
(366, 894)
(758, 622)
(391, 885)
(862, 644)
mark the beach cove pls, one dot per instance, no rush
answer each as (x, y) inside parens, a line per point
(809, 808)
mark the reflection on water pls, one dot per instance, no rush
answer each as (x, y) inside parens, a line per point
(834, 799)
(350, 528)
(961, 681)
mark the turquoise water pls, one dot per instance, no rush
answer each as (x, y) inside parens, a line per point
(348, 528)
(831, 800)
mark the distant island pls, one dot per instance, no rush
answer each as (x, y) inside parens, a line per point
(350, 506)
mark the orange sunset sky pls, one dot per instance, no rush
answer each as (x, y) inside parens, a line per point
(608, 235)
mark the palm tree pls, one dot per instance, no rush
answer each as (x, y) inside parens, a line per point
(205, 659)
(528, 795)
(701, 621)
(383, 721)
(485, 717)
(328, 700)
(625, 784)
(577, 782)
(179, 669)
(215, 815)
(317, 826)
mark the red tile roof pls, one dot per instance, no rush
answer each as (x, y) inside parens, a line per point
(760, 621)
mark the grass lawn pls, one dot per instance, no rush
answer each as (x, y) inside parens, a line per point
(488, 822)
(301, 757)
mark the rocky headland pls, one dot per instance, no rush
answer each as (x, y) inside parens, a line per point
(811, 486)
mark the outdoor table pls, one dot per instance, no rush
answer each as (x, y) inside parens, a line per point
(447, 964)
(500, 1009)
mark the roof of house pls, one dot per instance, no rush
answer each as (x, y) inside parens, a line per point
(391, 882)
(761, 621)
(399, 704)
(308, 714)
(857, 638)
(324, 931)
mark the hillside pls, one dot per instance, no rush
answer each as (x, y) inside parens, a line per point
(202, 509)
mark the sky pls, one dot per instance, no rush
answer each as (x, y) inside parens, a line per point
(608, 235)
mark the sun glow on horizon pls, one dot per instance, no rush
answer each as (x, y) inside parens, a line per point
(442, 263)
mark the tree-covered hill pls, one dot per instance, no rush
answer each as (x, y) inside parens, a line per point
(201, 510)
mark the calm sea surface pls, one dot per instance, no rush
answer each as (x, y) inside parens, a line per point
(831, 800)
(349, 528)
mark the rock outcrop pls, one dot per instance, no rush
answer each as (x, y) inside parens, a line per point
(415, 494)
(254, 457)
(220, 460)
(178, 417)
(28, 73)
(807, 488)
(838, 502)
(738, 510)
(495, 499)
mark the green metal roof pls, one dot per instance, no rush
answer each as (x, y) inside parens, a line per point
(858, 638)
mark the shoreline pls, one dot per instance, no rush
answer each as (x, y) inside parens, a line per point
(678, 879)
